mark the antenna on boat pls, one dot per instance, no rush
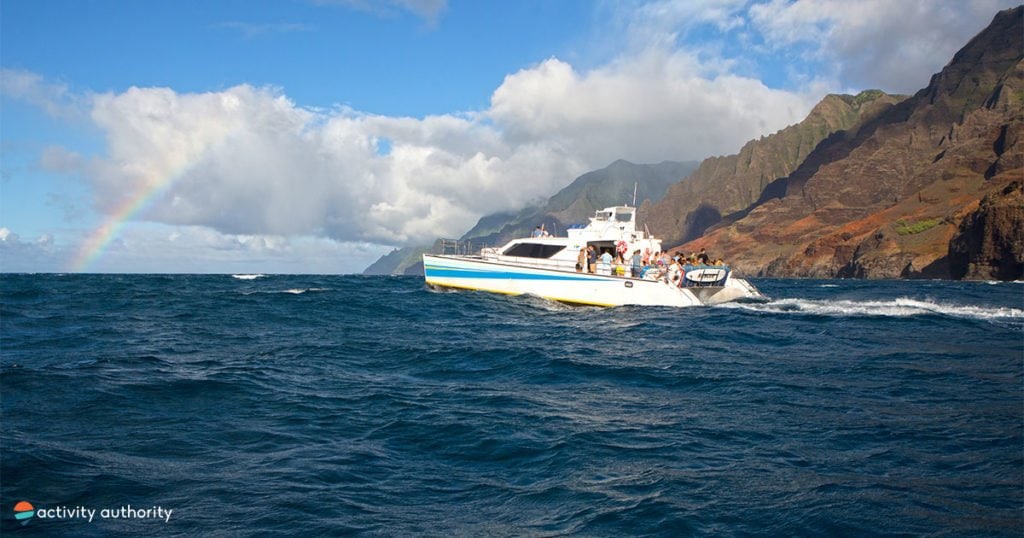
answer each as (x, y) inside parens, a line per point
(634, 193)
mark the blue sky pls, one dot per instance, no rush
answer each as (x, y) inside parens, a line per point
(312, 136)
(386, 60)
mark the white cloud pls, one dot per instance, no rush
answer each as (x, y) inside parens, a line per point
(876, 43)
(250, 161)
(653, 106)
(39, 255)
(53, 98)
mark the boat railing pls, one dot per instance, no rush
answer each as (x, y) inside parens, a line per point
(459, 247)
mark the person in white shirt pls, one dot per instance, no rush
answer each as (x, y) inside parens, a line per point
(606, 263)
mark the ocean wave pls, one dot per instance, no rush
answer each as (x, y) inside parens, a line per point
(901, 307)
(297, 291)
(480, 414)
(248, 277)
(290, 291)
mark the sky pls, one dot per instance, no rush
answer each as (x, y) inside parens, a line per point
(313, 136)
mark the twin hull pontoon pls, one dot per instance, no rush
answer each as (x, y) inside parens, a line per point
(546, 267)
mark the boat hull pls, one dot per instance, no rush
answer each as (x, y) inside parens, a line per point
(472, 273)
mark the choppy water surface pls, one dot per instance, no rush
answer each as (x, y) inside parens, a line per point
(370, 405)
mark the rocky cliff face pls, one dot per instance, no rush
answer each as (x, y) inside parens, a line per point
(723, 186)
(989, 243)
(923, 188)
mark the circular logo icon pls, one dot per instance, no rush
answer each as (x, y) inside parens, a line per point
(23, 511)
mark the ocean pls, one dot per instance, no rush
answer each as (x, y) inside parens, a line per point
(221, 405)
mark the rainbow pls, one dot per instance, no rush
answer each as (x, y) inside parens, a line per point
(101, 237)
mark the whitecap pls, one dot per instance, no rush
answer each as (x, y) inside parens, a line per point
(248, 277)
(296, 291)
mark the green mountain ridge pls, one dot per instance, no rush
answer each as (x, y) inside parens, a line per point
(724, 186)
(929, 187)
(867, 186)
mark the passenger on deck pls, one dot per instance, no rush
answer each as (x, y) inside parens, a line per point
(581, 260)
(591, 259)
(537, 232)
(703, 257)
(606, 264)
(675, 273)
(635, 264)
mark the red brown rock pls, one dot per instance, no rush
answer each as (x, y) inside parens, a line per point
(927, 187)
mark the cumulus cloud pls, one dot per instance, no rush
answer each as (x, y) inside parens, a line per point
(875, 43)
(649, 107)
(248, 160)
(39, 255)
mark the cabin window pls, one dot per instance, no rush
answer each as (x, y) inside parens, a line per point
(624, 216)
(533, 250)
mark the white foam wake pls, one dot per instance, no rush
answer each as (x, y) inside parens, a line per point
(296, 291)
(247, 277)
(901, 307)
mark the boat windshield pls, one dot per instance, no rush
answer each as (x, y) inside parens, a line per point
(624, 216)
(533, 250)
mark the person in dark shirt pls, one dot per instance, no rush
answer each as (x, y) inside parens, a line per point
(703, 257)
(635, 265)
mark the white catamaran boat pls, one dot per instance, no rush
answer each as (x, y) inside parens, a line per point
(546, 267)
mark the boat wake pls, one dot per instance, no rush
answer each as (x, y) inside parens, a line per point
(901, 307)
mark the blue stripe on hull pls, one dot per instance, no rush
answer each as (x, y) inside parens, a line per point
(445, 272)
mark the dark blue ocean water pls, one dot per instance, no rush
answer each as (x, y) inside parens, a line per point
(333, 405)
